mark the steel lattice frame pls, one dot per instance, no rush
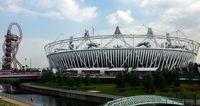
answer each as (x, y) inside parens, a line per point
(122, 50)
(144, 99)
(10, 48)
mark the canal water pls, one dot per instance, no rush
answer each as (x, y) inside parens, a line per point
(47, 100)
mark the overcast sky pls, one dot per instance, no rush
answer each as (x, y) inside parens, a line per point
(44, 21)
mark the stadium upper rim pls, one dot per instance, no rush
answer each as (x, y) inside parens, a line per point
(119, 40)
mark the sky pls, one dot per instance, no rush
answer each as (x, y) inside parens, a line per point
(45, 21)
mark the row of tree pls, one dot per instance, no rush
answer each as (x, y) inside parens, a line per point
(159, 79)
(26, 70)
(70, 82)
(151, 81)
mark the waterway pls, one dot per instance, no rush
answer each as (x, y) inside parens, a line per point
(47, 100)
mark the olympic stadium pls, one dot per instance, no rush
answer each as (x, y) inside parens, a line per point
(118, 50)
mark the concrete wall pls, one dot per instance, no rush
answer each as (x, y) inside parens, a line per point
(79, 95)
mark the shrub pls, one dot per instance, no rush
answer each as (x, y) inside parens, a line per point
(133, 78)
(87, 80)
(159, 80)
(71, 82)
(148, 83)
(120, 80)
(97, 80)
(47, 76)
(78, 81)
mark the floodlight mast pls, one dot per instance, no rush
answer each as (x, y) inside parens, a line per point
(10, 48)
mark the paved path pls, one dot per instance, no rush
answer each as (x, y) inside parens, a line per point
(14, 101)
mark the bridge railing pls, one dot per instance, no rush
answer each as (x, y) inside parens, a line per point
(144, 99)
(17, 98)
(20, 74)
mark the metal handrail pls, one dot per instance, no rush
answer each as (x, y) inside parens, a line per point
(144, 99)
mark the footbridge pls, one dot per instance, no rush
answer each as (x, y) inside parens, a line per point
(145, 100)
(19, 75)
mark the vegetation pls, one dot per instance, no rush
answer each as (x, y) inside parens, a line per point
(151, 81)
(26, 70)
(5, 103)
(134, 79)
(163, 82)
(148, 83)
(120, 80)
(9, 81)
(183, 91)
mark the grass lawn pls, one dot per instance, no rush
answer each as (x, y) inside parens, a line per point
(5, 103)
(184, 90)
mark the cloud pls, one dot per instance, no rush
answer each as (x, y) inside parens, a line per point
(120, 17)
(178, 14)
(60, 9)
(70, 9)
(168, 16)
(1, 8)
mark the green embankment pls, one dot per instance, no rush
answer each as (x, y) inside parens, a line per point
(183, 91)
(5, 103)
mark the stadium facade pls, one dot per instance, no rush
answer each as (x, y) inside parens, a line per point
(119, 50)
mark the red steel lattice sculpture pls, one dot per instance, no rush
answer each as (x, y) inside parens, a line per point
(10, 48)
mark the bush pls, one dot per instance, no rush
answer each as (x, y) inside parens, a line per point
(86, 80)
(47, 76)
(97, 80)
(71, 82)
(148, 83)
(133, 78)
(120, 80)
(78, 82)
(106, 80)
(59, 78)
(159, 80)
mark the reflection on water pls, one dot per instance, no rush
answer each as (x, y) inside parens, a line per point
(1, 88)
(46, 100)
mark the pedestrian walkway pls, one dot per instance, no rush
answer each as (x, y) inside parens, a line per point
(14, 101)
(145, 100)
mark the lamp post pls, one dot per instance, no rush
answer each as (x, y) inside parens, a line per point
(25, 63)
(30, 63)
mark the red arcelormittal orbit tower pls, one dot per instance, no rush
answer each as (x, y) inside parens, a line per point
(10, 48)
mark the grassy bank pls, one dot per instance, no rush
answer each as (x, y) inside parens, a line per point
(5, 103)
(183, 91)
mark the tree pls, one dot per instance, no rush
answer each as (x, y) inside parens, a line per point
(47, 76)
(126, 73)
(87, 80)
(168, 76)
(148, 83)
(159, 80)
(97, 80)
(176, 77)
(133, 78)
(120, 80)
(78, 82)
(71, 82)
(59, 78)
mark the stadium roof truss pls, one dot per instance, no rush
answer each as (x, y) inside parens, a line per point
(130, 50)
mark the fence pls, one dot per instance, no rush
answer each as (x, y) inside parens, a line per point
(188, 100)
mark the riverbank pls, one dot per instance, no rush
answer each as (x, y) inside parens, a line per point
(184, 91)
(10, 102)
(97, 97)
(79, 95)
